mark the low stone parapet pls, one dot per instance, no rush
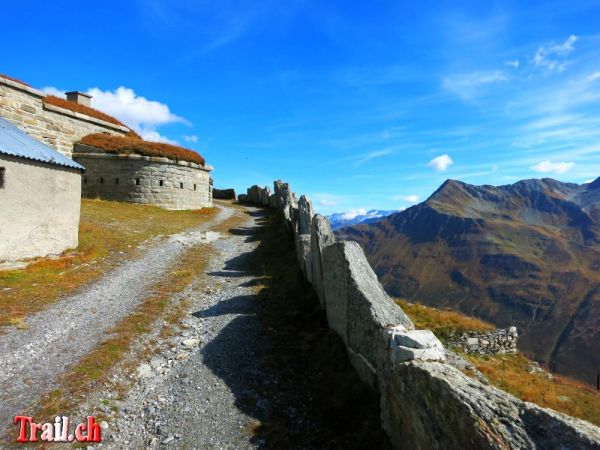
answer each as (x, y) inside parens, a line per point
(426, 402)
(502, 341)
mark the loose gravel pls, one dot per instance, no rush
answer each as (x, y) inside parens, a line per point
(32, 359)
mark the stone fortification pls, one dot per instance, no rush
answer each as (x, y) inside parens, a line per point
(144, 179)
(224, 194)
(57, 127)
(426, 402)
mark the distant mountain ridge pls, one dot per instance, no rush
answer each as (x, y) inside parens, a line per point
(340, 220)
(526, 254)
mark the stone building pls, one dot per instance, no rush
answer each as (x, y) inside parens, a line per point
(40, 197)
(169, 176)
(56, 122)
(154, 173)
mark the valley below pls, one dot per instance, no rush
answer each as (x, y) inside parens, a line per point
(526, 254)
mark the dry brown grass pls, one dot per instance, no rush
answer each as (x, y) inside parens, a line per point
(441, 321)
(109, 232)
(94, 370)
(511, 374)
(15, 80)
(75, 107)
(124, 145)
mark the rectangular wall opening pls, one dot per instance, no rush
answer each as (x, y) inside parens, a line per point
(180, 185)
(194, 187)
(2, 177)
(161, 183)
(137, 181)
(116, 181)
(84, 180)
(101, 180)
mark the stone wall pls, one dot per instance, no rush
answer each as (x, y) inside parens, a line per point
(491, 342)
(144, 179)
(39, 208)
(57, 127)
(426, 402)
(224, 194)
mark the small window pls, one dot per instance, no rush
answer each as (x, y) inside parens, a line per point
(194, 187)
(116, 181)
(180, 185)
(161, 183)
(2, 175)
(84, 180)
(101, 180)
(137, 181)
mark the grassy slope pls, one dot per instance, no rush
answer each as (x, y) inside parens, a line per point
(108, 233)
(511, 372)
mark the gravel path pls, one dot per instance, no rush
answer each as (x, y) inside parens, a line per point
(249, 368)
(31, 359)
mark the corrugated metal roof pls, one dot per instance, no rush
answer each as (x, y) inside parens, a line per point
(15, 142)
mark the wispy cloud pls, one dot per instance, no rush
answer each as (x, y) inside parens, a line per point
(469, 85)
(440, 163)
(407, 198)
(190, 138)
(366, 157)
(553, 167)
(514, 63)
(551, 57)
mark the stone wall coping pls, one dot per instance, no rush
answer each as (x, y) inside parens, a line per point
(22, 87)
(67, 112)
(137, 157)
(85, 117)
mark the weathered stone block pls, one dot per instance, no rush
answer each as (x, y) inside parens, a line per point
(320, 237)
(357, 307)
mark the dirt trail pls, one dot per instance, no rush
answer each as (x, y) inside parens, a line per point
(31, 359)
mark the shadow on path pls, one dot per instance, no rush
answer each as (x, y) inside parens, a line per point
(284, 366)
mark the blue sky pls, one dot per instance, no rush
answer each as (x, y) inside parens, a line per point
(358, 104)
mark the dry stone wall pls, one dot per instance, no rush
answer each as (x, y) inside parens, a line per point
(503, 341)
(57, 127)
(144, 179)
(426, 402)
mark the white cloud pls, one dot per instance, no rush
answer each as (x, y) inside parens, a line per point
(467, 86)
(514, 63)
(133, 110)
(51, 90)
(190, 138)
(593, 77)
(553, 167)
(155, 136)
(551, 57)
(440, 163)
(407, 198)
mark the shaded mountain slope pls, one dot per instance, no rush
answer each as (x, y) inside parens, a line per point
(525, 254)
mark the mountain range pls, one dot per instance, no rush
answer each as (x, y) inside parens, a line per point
(525, 254)
(356, 217)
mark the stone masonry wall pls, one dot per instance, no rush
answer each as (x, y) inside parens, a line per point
(143, 179)
(426, 402)
(492, 342)
(57, 127)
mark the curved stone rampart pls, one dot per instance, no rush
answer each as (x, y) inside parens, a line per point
(144, 179)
